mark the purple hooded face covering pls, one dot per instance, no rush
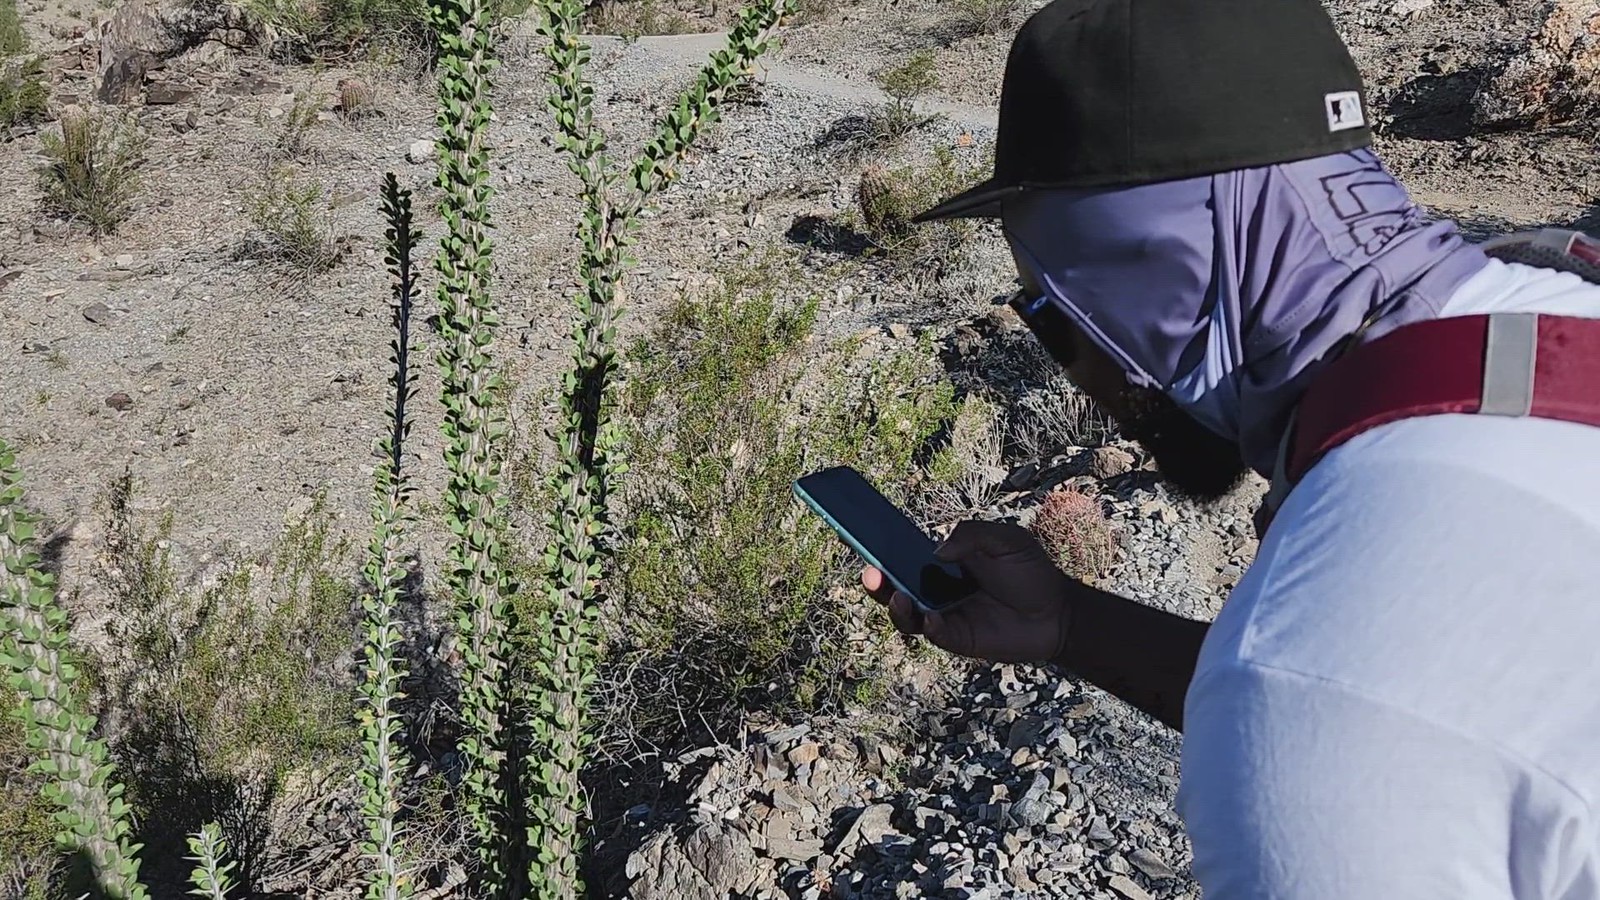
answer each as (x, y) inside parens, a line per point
(1226, 292)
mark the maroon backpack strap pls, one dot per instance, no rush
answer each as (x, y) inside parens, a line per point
(1511, 364)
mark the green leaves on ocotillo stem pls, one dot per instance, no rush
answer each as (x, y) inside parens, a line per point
(90, 816)
(477, 571)
(385, 760)
(212, 877)
(588, 445)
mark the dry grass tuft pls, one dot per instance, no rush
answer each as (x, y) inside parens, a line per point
(91, 169)
(292, 223)
(975, 17)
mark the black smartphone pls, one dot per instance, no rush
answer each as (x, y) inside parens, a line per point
(884, 537)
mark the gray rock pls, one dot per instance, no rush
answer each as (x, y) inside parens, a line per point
(794, 849)
(123, 78)
(1025, 732)
(787, 735)
(870, 827)
(784, 799)
(1150, 864)
(1556, 78)
(420, 151)
(723, 857)
(166, 93)
(1128, 888)
(1032, 808)
(1109, 462)
(803, 754)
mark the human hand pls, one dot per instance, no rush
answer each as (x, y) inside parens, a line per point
(1020, 613)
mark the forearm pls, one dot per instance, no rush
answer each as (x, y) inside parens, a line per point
(1137, 653)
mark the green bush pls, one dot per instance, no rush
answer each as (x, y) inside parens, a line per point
(27, 836)
(731, 594)
(298, 121)
(292, 223)
(256, 663)
(91, 169)
(964, 474)
(13, 39)
(24, 96)
(905, 83)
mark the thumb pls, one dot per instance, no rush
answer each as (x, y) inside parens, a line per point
(953, 633)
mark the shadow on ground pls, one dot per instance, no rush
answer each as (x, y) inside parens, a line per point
(1434, 107)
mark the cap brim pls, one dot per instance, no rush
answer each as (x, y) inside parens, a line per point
(981, 201)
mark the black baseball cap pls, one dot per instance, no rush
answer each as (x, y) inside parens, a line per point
(1105, 93)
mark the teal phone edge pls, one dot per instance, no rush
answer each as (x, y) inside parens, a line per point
(855, 545)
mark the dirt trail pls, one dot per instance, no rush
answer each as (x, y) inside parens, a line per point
(688, 52)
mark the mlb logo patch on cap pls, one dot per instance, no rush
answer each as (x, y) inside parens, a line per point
(1344, 110)
(1107, 93)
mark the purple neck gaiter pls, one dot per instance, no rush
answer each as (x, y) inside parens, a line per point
(1226, 291)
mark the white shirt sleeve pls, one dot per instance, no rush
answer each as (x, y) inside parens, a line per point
(1295, 788)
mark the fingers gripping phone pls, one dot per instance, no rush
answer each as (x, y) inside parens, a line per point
(884, 537)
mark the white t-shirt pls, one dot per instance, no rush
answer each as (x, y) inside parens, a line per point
(1401, 699)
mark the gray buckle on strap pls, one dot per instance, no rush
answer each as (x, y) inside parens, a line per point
(1509, 356)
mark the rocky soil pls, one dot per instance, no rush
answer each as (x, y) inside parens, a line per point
(235, 388)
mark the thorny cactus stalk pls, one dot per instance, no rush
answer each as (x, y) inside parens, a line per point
(90, 809)
(588, 444)
(212, 877)
(386, 761)
(478, 575)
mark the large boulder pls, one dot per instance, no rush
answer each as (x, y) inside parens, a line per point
(140, 35)
(1555, 79)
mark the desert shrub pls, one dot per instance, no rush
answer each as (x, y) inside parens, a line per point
(635, 18)
(216, 693)
(334, 29)
(91, 169)
(887, 199)
(24, 96)
(1074, 529)
(964, 472)
(974, 17)
(256, 661)
(291, 222)
(298, 121)
(27, 836)
(731, 594)
(13, 39)
(905, 83)
(1048, 419)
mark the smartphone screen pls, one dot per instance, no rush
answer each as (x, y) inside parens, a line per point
(884, 536)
